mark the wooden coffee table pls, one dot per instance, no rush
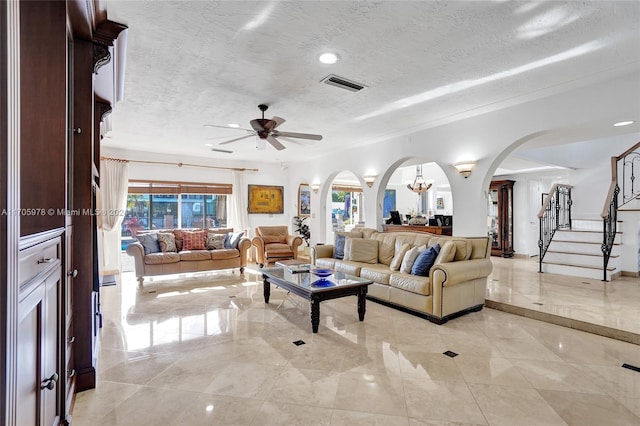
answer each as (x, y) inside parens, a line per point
(310, 287)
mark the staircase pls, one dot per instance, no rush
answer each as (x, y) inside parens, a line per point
(578, 252)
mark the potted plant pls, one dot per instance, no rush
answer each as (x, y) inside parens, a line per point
(302, 228)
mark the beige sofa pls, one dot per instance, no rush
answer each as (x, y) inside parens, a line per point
(180, 261)
(455, 284)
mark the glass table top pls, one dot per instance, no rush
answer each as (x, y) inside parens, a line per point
(314, 282)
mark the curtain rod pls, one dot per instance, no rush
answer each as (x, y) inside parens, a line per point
(237, 169)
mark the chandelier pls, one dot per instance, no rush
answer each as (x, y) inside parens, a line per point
(419, 185)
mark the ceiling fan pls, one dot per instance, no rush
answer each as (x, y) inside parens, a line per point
(265, 129)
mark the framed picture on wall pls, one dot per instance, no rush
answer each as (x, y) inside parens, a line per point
(440, 203)
(266, 199)
(304, 200)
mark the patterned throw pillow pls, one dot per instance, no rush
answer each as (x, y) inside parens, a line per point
(232, 239)
(149, 243)
(193, 240)
(167, 242)
(215, 241)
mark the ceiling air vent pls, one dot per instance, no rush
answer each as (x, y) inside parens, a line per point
(343, 83)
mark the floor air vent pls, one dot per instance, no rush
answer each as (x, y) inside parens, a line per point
(343, 83)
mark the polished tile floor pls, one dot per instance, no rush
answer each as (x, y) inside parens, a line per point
(204, 349)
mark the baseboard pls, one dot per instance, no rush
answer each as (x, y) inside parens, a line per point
(630, 274)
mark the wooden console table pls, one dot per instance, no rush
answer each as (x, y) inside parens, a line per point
(438, 230)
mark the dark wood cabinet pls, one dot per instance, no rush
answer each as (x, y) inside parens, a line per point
(438, 230)
(49, 140)
(500, 217)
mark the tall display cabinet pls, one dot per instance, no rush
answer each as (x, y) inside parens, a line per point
(500, 219)
(50, 111)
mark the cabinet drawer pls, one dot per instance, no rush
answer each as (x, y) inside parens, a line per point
(37, 259)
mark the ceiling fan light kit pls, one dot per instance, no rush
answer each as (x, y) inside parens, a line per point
(265, 130)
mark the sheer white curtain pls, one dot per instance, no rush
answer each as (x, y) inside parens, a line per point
(114, 180)
(238, 216)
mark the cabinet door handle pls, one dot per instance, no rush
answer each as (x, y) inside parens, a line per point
(50, 383)
(46, 260)
(71, 339)
(73, 273)
(71, 373)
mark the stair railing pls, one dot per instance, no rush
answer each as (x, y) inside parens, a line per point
(624, 167)
(554, 214)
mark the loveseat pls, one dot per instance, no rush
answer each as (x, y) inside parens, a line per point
(188, 250)
(455, 283)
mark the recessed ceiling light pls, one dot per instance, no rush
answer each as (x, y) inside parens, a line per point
(329, 58)
(234, 125)
(208, 144)
(624, 123)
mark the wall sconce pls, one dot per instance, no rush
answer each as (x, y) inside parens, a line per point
(464, 167)
(315, 187)
(369, 180)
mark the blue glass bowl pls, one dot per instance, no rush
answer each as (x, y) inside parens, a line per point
(322, 273)
(322, 282)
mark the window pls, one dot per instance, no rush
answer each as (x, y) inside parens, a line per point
(168, 205)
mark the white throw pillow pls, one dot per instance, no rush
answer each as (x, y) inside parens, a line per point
(409, 258)
(398, 257)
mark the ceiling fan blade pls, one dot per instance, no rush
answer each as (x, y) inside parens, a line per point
(227, 127)
(298, 135)
(257, 125)
(277, 145)
(236, 139)
(278, 120)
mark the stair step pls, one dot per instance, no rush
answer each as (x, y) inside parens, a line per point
(577, 271)
(609, 268)
(581, 253)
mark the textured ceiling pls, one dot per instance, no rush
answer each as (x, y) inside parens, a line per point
(191, 63)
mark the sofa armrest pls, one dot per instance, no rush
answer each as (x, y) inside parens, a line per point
(244, 244)
(137, 251)
(452, 273)
(319, 251)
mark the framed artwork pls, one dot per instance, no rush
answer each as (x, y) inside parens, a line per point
(440, 203)
(304, 200)
(266, 199)
(389, 202)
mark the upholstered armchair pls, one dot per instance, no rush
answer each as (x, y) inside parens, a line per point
(274, 243)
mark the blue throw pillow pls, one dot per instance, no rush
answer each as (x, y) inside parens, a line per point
(150, 243)
(232, 239)
(425, 261)
(338, 250)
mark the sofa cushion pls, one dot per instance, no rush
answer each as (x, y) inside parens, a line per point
(167, 242)
(378, 273)
(361, 250)
(447, 253)
(425, 261)
(215, 241)
(412, 283)
(149, 242)
(232, 239)
(326, 262)
(195, 255)
(193, 240)
(410, 256)
(348, 267)
(161, 258)
(225, 254)
(400, 250)
(386, 250)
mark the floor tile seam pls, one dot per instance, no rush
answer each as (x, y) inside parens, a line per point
(613, 399)
(475, 401)
(533, 389)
